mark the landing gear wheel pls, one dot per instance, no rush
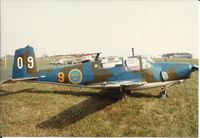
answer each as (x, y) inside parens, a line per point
(164, 94)
(124, 96)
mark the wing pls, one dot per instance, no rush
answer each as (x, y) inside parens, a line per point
(117, 84)
(108, 84)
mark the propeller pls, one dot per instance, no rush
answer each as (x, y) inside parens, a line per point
(195, 67)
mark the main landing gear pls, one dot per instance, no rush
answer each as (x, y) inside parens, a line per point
(163, 93)
(124, 93)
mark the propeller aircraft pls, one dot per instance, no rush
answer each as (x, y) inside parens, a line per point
(132, 73)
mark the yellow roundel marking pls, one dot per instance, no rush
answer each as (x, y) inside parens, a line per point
(75, 76)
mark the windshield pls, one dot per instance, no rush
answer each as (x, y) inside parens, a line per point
(147, 62)
(149, 59)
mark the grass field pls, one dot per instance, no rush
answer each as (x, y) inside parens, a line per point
(50, 110)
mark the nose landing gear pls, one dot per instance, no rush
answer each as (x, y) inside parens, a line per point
(124, 93)
(163, 93)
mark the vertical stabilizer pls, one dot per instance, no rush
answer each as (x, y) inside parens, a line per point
(24, 64)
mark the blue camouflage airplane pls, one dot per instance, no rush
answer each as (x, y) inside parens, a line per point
(132, 73)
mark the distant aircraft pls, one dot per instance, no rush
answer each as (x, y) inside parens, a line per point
(177, 55)
(132, 73)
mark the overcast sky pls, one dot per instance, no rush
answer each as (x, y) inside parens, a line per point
(112, 27)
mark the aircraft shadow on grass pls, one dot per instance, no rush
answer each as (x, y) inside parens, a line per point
(76, 113)
(107, 94)
(95, 103)
(83, 109)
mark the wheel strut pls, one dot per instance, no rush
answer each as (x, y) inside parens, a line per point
(123, 94)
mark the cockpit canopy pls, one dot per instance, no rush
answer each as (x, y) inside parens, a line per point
(130, 63)
(138, 63)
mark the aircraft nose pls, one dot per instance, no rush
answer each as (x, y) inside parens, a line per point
(186, 70)
(176, 71)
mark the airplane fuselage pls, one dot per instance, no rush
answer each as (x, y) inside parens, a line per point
(92, 72)
(134, 72)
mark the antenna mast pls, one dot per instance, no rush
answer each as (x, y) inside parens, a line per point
(133, 52)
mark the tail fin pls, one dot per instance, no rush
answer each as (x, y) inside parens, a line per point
(24, 64)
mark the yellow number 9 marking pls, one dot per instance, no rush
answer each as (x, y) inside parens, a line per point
(61, 77)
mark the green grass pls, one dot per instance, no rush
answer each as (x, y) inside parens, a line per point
(50, 110)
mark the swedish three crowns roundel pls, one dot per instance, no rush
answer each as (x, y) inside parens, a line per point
(75, 76)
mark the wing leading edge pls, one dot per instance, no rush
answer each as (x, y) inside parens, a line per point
(109, 84)
(117, 84)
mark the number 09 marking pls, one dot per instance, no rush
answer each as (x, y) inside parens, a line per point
(61, 77)
(29, 60)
